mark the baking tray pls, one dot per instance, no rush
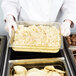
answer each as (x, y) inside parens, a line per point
(58, 63)
(69, 56)
(50, 49)
(18, 55)
(71, 47)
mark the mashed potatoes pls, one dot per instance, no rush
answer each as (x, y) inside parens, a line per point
(37, 36)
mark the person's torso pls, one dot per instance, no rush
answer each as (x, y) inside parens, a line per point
(39, 10)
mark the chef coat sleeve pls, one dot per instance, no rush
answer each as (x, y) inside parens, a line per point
(10, 7)
(69, 10)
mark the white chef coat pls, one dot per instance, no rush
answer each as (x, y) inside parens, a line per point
(40, 10)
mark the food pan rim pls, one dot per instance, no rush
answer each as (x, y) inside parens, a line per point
(17, 49)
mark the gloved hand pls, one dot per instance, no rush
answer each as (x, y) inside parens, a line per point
(65, 28)
(10, 24)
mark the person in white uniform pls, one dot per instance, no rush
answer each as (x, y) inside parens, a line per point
(40, 10)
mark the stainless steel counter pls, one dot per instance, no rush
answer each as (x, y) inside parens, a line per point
(12, 55)
(3, 43)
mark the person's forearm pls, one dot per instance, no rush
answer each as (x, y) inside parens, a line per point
(69, 12)
(10, 7)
